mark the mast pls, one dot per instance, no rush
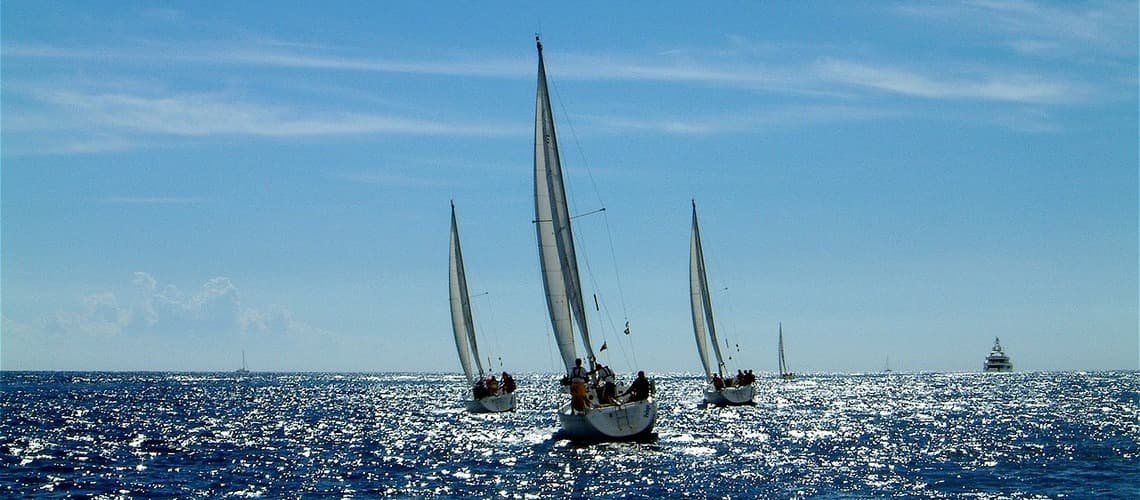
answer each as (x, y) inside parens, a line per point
(462, 324)
(697, 254)
(559, 262)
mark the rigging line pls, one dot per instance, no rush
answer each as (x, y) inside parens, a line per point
(617, 275)
(572, 217)
(577, 143)
(727, 302)
(609, 232)
(552, 83)
(603, 209)
(494, 332)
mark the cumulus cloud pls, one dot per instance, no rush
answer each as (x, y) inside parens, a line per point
(214, 309)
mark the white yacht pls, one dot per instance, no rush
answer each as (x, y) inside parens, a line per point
(998, 361)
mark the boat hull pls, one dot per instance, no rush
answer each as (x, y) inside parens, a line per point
(492, 404)
(605, 423)
(730, 396)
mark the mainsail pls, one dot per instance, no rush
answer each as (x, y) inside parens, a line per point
(701, 303)
(555, 240)
(461, 322)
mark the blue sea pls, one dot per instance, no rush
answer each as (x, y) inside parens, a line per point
(959, 435)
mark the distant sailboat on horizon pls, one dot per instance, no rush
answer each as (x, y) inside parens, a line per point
(243, 370)
(488, 395)
(785, 373)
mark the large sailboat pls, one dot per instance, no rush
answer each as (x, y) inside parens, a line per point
(584, 417)
(721, 388)
(488, 395)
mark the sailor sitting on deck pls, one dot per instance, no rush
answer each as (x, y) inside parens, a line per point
(717, 382)
(508, 383)
(639, 389)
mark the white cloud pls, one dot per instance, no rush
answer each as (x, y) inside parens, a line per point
(391, 179)
(1107, 27)
(205, 114)
(154, 200)
(215, 309)
(1013, 88)
(64, 120)
(737, 122)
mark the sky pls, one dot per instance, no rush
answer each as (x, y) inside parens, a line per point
(888, 182)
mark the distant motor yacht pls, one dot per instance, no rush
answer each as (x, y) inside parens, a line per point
(997, 361)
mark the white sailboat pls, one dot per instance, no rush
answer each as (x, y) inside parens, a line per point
(243, 370)
(785, 374)
(560, 281)
(484, 399)
(718, 390)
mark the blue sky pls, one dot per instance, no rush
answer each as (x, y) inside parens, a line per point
(184, 181)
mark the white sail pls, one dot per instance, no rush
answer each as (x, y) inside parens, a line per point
(555, 239)
(701, 302)
(462, 324)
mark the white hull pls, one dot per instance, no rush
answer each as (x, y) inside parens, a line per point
(491, 404)
(730, 396)
(625, 421)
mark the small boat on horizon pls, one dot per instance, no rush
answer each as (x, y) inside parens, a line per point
(243, 370)
(998, 361)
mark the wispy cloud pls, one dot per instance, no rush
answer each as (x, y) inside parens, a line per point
(200, 114)
(155, 200)
(119, 120)
(742, 122)
(276, 54)
(390, 179)
(1014, 88)
(1040, 28)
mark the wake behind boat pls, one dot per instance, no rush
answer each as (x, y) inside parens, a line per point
(587, 416)
(488, 394)
(720, 390)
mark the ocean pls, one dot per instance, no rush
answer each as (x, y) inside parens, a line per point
(955, 435)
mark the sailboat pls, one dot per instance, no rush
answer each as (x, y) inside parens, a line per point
(717, 392)
(560, 281)
(243, 370)
(484, 398)
(784, 373)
